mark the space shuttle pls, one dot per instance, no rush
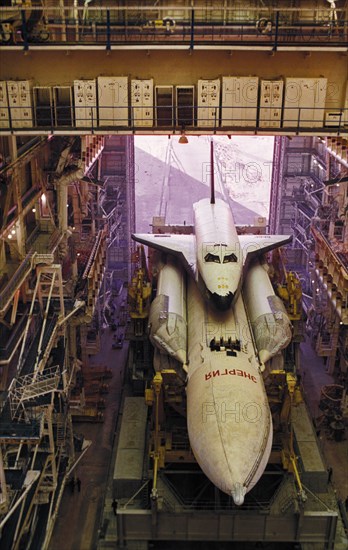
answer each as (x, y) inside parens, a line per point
(216, 314)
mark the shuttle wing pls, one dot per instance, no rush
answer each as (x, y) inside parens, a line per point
(260, 244)
(181, 246)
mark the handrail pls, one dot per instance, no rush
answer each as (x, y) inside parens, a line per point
(295, 118)
(158, 8)
(187, 24)
(21, 272)
(136, 493)
(24, 268)
(7, 348)
(320, 237)
(93, 254)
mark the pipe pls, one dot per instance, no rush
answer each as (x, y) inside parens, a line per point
(80, 304)
(157, 383)
(8, 361)
(331, 294)
(337, 156)
(295, 470)
(62, 188)
(137, 492)
(36, 366)
(89, 443)
(35, 477)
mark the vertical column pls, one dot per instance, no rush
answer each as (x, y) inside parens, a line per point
(62, 192)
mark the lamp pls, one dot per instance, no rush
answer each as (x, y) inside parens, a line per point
(183, 138)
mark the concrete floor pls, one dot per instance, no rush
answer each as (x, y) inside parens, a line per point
(314, 377)
(80, 513)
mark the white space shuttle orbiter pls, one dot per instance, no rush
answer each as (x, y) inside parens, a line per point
(215, 255)
(208, 329)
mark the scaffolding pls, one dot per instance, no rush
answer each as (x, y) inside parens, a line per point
(40, 310)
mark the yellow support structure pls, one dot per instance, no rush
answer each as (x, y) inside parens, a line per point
(139, 291)
(291, 293)
(157, 454)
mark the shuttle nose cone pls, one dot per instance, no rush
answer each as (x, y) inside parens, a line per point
(222, 302)
(238, 493)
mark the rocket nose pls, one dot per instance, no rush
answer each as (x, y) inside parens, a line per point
(238, 493)
(222, 302)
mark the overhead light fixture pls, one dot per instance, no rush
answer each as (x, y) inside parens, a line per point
(13, 231)
(183, 138)
(9, 236)
(33, 209)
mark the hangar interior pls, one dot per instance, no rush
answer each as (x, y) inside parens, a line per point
(80, 395)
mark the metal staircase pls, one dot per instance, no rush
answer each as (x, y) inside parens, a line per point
(30, 387)
(49, 285)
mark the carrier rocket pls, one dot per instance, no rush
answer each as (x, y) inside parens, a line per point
(216, 314)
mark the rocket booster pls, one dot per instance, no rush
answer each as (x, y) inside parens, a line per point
(270, 324)
(167, 318)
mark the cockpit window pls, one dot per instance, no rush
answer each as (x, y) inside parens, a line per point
(212, 258)
(230, 258)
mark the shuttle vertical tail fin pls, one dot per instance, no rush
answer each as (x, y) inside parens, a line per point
(212, 183)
